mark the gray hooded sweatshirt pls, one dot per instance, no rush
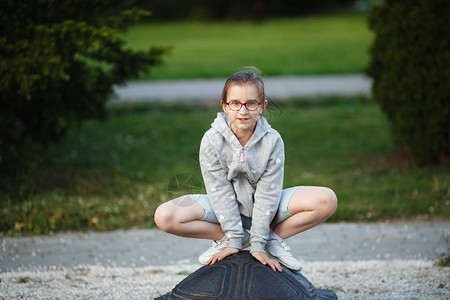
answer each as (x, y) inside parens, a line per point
(243, 180)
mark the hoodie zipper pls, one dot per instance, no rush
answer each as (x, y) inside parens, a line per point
(241, 159)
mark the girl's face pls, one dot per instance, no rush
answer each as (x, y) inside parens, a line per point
(243, 120)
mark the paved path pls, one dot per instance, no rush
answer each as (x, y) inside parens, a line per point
(139, 248)
(276, 88)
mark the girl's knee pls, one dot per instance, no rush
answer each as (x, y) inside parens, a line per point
(164, 217)
(170, 216)
(327, 202)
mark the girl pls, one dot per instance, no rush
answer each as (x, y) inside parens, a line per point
(242, 163)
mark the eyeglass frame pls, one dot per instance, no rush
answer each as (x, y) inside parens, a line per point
(243, 104)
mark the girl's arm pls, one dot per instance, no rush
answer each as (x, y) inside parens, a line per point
(221, 193)
(267, 198)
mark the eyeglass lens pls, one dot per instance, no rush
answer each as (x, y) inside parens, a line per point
(250, 105)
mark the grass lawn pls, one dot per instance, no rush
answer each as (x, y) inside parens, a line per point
(113, 174)
(325, 44)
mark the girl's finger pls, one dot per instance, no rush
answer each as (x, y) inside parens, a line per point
(279, 268)
(276, 266)
(272, 266)
(213, 260)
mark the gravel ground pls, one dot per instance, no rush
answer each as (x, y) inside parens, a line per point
(370, 279)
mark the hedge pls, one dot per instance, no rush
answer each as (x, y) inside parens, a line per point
(410, 67)
(235, 9)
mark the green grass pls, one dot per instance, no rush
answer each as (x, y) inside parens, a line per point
(325, 44)
(444, 255)
(113, 174)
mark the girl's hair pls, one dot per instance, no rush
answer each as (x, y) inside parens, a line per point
(249, 75)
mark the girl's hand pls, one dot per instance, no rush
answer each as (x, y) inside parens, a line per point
(266, 260)
(221, 255)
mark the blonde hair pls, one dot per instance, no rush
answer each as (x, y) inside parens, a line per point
(249, 75)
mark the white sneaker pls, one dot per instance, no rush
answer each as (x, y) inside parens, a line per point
(218, 246)
(279, 250)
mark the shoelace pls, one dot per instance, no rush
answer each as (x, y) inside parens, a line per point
(220, 242)
(285, 246)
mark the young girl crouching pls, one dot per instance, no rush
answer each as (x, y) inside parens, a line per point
(242, 164)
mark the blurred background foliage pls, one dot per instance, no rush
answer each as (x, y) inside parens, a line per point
(113, 174)
(410, 65)
(219, 10)
(318, 44)
(58, 63)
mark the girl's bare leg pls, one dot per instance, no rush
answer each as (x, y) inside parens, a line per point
(183, 217)
(309, 207)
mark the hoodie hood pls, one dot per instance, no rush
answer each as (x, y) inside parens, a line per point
(222, 125)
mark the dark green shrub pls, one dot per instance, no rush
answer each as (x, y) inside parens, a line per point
(410, 66)
(58, 63)
(236, 9)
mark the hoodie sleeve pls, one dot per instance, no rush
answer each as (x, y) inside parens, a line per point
(267, 198)
(220, 193)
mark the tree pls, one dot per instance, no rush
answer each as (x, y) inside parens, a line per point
(58, 63)
(237, 9)
(410, 66)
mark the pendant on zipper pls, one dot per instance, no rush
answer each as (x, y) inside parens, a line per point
(242, 157)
